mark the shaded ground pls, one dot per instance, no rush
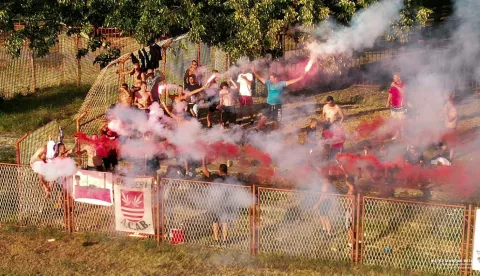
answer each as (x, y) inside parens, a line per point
(29, 251)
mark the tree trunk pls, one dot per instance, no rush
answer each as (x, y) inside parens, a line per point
(79, 66)
(33, 76)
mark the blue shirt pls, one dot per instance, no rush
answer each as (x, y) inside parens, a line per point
(275, 91)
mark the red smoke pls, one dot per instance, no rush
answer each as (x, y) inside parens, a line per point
(256, 154)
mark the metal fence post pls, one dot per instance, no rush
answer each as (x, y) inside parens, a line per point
(466, 265)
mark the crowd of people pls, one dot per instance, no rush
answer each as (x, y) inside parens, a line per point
(324, 137)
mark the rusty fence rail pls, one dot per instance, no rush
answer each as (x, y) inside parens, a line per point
(374, 231)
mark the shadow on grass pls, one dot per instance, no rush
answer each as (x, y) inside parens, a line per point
(23, 114)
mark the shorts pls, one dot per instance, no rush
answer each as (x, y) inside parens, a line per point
(397, 112)
(246, 101)
(273, 111)
(212, 106)
(334, 152)
(224, 215)
(229, 115)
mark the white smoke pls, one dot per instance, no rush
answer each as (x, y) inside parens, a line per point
(56, 168)
(366, 26)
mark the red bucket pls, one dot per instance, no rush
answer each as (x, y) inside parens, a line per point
(177, 236)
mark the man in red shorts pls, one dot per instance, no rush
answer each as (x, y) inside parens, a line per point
(396, 102)
(245, 80)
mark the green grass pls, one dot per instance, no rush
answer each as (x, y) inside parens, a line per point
(23, 114)
(27, 251)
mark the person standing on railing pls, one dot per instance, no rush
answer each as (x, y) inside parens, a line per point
(224, 211)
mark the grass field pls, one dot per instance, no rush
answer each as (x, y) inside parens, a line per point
(27, 251)
(23, 114)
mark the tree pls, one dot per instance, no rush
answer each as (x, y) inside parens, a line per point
(38, 26)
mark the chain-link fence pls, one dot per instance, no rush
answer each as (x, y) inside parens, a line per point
(194, 211)
(391, 233)
(28, 145)
(306, 224)
(412, 235)
(23, 201)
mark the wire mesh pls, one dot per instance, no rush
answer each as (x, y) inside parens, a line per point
(37, 139)
(9, 193)
(60, 66)
(413, 236)
(193, 207)
(312, 225)
(23, 201)
(101, 219)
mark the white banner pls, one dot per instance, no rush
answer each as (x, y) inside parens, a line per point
(93, 187)
(476, 242)
(133, 205)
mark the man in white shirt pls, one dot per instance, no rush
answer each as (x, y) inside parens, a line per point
(245, 80)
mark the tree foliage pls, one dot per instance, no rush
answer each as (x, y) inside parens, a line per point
(241, 27)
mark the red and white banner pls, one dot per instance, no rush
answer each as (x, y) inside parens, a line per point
(93, 187)
(133, 205)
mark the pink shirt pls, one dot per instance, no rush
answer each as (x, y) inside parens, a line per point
(397, 96)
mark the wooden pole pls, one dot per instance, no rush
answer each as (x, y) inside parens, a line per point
(79, 66)
(33, 76)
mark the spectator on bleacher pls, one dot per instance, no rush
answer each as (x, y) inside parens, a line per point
(136, 72)
(94, 162)
(275, 89)
(332, 113)
(224, 210)
(397, 104)
(311, 138)
(413, 156)
(156, 85)
(334, 136)
(124, 96)
(194, 89)
(245, 80)
(110, 162)
(191, 70)
(445, 156)
(143, 98)
(227, 104)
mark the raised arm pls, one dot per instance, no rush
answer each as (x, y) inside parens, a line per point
(262, 80)
(290, 82)
(168, 111)
(196, 91)
(234, 85)
(342, 116)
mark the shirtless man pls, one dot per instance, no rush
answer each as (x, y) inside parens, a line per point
(138, 76)
(124, 96)
(143, 98)
(449, 113)
(332, 113)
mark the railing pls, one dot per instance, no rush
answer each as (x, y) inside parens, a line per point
(374, 231)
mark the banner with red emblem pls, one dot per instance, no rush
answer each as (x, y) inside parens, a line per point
(133, 205)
